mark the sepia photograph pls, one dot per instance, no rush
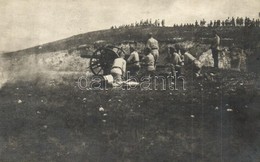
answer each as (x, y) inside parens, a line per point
(130, 81)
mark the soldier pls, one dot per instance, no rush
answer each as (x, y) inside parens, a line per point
(227, 22)
(155, 22)
(175, 61)
(211, 23)
(215, 48)
(233, 22)
(203, 22)
(247, 21)
(241, 21)
(191, 61)
(141, 23)
(133, 61)
(235, 57)
(163, 23)
(215, 23)
(158, 22)
(118, 69)
(148, 61)
(154, 46)
(218, 23)
(238, 21)
(223, 23)
(196, 23)
(257, 22)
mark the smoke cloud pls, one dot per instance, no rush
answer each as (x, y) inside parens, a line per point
(43, 69)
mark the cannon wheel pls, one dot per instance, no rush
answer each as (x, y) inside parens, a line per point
(102, 60)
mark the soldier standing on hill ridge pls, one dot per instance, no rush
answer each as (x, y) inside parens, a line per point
(153, 45)
(215, 48)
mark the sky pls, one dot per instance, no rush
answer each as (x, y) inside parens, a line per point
(27, 23)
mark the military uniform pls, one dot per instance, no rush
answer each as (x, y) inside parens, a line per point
(154, 46)
(196, 64)
(215, 49)
(134, 62)
(149, 65)
(118, 69)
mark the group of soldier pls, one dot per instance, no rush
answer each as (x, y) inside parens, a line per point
(177, 57)
(239, 21)
(151, 51)
(143, 23)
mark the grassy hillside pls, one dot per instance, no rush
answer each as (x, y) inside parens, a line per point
(46, 116)
(212, 120)
(246, 37)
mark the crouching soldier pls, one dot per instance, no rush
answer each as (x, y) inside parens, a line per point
(133, 62)
(235, 57)
(195, 64)
(118, 69)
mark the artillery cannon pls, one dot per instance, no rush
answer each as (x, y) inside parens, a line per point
(101, 60)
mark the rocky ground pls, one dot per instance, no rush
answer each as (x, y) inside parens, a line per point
(215, 119)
